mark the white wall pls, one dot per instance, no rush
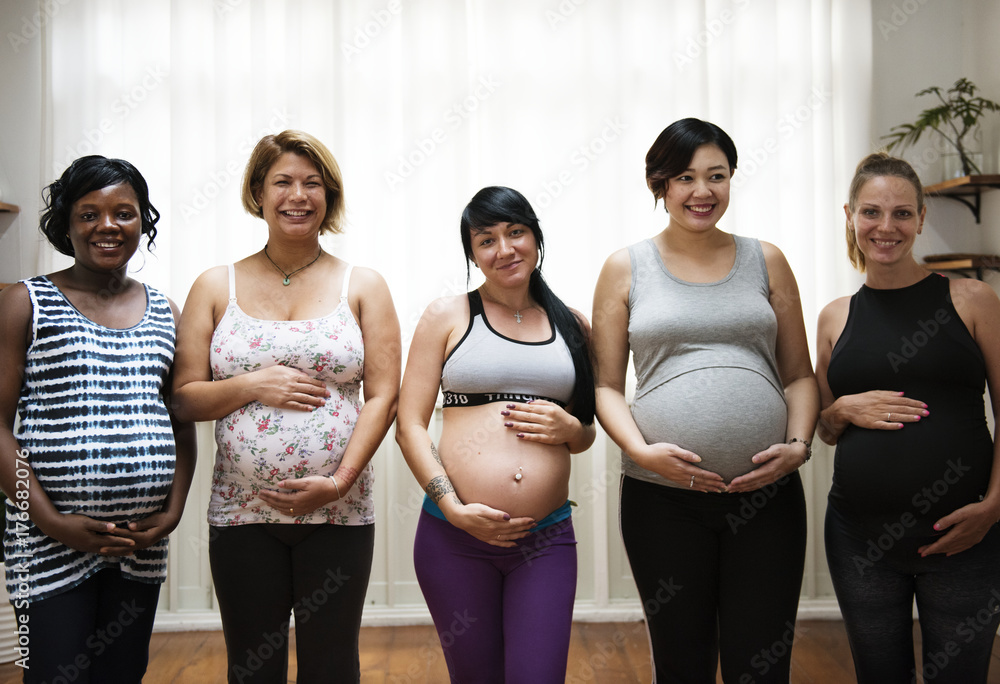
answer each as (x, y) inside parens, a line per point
(21, 150)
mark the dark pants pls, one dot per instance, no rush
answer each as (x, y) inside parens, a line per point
(719, 576)
(96, 632)
(878, 573)
(502, 614)
(265, 572)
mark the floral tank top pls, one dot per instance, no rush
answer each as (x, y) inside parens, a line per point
(259, 445)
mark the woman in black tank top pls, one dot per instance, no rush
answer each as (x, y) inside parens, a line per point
(902, 366)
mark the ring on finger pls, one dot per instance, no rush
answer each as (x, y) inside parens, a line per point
(888, 417)
(691, 483)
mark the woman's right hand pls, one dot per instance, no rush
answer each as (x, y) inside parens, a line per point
(490, 525)
(289, 388)
(90, 536)
(875, 410)
(677, 465)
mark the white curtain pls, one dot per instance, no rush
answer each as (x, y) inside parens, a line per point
(423, 102)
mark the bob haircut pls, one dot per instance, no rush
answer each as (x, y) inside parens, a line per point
(675, 147)
(876, 165)
(497, 204)
(267, 151)
(82, 177)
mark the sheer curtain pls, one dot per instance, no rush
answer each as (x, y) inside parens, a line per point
(423, 102)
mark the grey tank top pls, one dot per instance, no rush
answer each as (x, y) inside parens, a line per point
(704, 353)
(485, 366)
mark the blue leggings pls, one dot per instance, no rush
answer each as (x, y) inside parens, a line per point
(877, 574)
(719, 576)
(97, 631)
(502, 615)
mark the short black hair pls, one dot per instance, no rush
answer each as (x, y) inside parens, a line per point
(83, 176)
(675, 147)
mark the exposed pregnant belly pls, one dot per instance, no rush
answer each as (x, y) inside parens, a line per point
(482, 457)
(725, 415)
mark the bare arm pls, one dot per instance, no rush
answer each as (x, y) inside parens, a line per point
(795, 370)
(611, 352)
(196, 396)
(16, 475)
(875, 409)
(155, 527)
(372, 303)
(416, 408)
(979, 308)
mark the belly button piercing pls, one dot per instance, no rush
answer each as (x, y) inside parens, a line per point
(517, 475)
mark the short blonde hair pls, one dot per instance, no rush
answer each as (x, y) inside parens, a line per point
(267, 151)
(876, 165)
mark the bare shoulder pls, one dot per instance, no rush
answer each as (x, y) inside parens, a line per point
(212, 282)
(774, 258)
(15, 304)
(365, 278)
(447, 312)
(976, 303)
(833, 317)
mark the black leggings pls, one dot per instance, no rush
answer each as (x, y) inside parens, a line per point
(877, 575)
(719, 576)
(265, 572)
(96, 632)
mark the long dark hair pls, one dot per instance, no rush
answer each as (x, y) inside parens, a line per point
(497, 204)
(82, 177)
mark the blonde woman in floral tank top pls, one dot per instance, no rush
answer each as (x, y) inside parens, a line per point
(273, 349)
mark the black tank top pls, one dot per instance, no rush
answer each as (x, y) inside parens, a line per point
(911, 340)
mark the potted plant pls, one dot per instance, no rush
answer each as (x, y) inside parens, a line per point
(956, 116)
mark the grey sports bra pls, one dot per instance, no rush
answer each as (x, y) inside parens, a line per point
(485, 366)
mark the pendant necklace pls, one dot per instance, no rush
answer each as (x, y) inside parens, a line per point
(288, 276)
(517, 314)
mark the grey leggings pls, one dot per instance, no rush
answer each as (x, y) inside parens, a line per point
(878, 573)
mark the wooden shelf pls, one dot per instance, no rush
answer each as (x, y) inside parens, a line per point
(13, 208)
(972, 263)
(966, 186)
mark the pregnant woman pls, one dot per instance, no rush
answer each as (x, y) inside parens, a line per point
(495, 540)
(712, 508)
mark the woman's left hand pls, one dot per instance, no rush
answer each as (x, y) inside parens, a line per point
(150, 529)
(969, 524)
(773, 464)
(541, 421)
(300, 496)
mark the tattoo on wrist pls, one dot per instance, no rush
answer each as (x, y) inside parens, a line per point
(438, 487)
(347, 476)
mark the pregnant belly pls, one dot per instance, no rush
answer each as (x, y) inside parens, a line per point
(725, 415)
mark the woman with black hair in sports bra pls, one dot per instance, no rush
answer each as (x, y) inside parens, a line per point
(495, 552)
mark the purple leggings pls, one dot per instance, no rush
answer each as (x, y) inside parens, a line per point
(502, 615)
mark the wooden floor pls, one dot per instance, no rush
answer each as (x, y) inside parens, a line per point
(599, 652)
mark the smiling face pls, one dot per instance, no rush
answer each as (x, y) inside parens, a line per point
(698, 197)
(506, 253)
(104, 228)
(293, 197)
(886, 220)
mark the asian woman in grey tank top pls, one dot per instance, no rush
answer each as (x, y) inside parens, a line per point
(712, 509)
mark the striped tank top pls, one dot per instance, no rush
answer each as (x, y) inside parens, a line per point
(96, 433)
